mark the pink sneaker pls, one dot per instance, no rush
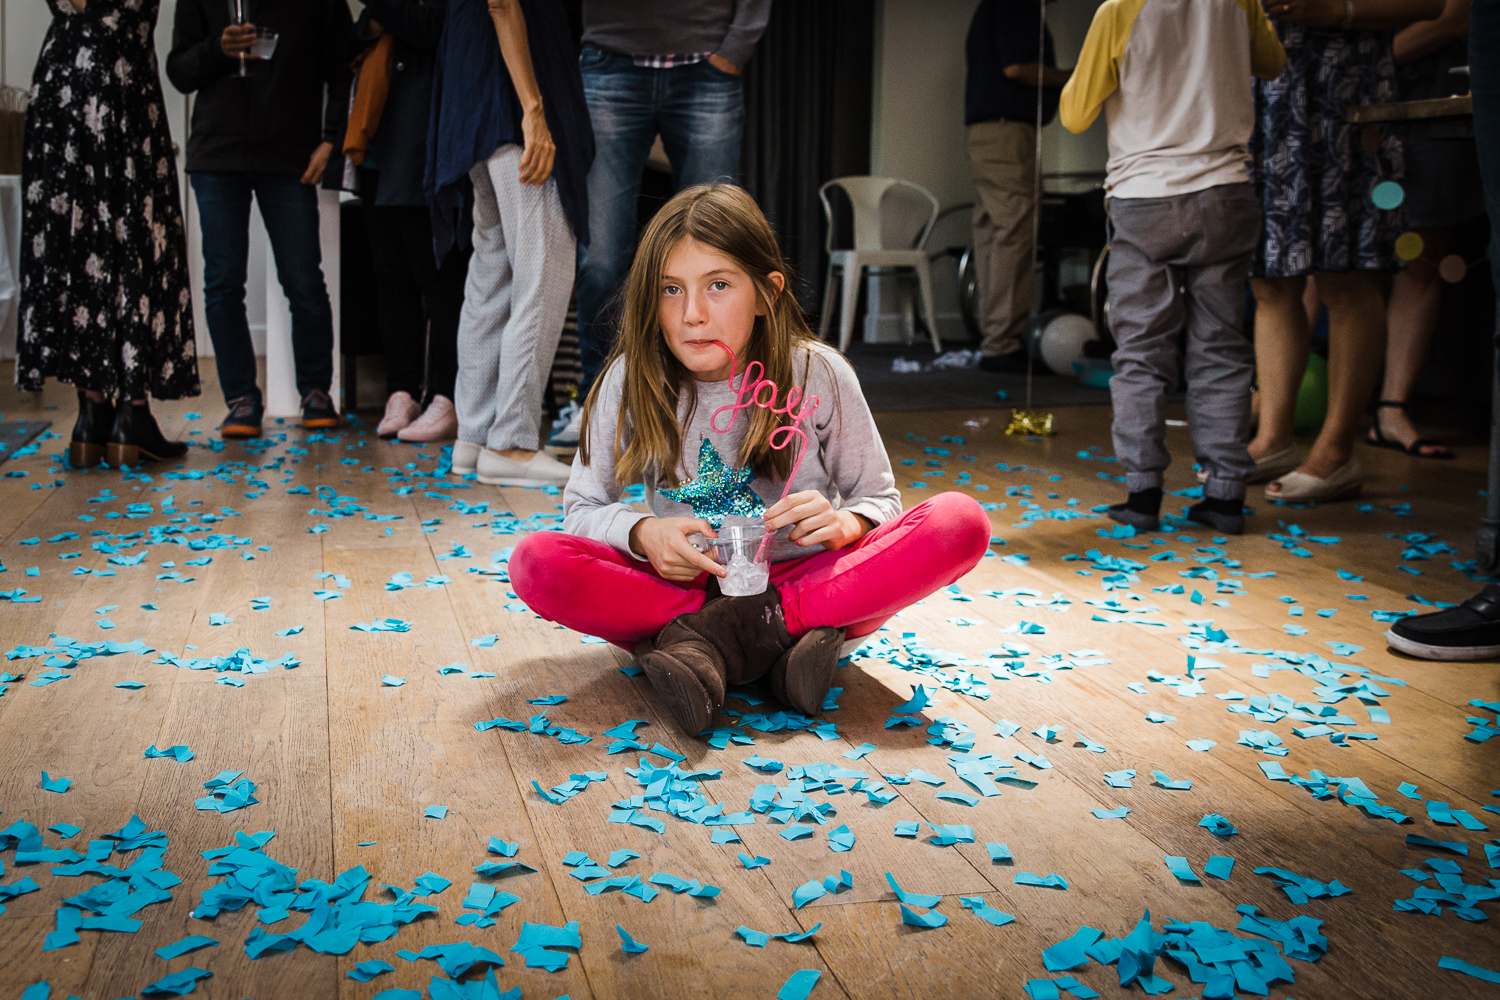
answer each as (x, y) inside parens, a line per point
(438, 423)
(400, 410)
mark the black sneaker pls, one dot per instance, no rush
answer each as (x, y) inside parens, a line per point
(1013, 363)
(244, 418)
(318, 411)
(1141, 510)
(1470, 631)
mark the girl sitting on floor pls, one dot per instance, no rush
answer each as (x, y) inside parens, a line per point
(707, 297)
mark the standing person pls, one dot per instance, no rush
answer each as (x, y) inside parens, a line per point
(508, 114)
(418, 301)
(1314, 172)
(266, 134)
(1443, 190)
(652, 67)
(1174, 79)
(708, 296)
(1004, 70)
(104, 281)
(1471, 631)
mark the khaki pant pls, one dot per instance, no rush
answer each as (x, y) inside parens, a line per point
(1002, 155)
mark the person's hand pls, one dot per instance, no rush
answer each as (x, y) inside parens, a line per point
(317, 163)
(1029, 74)
(237, 39)
(1309, 13)
(723, 65)
(536, 161)
(815, 521)
(664, 541)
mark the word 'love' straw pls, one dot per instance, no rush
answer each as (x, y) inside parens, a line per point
(749, 393)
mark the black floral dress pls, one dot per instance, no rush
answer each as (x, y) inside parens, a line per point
(1313, 170)
(105, 303)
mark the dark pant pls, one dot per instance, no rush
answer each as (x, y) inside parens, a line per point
(1174, 263)
(419, 303)
(699, 111)
(289, 209)
(1484, 84)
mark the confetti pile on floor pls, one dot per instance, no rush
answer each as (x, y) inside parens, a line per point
(1115, 761)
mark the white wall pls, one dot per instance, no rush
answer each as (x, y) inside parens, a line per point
(917, 119)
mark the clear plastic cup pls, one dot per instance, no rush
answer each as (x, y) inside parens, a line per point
(264, 46)
(738, 548)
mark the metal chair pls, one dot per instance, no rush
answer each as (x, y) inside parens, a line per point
(872, 248)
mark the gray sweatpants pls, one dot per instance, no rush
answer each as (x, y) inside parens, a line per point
(1175, 263)
(515, 302)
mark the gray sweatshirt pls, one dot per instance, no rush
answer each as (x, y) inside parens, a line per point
(659, 28)
(845, 459)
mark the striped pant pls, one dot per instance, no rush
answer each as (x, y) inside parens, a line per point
(515, 301)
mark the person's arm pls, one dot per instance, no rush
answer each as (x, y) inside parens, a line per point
(1097, 74)
(1352, 14)
(854, 456)
(745, 29)
(1267, 56)
(199, 57)
(1426, 37)
(338, 29)
(418, 24)
(515, 50)
(1034, 74)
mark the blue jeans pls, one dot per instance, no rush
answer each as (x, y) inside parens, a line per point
(289, 209)
(699, 111)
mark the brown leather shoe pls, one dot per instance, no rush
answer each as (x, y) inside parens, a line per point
(801, 678)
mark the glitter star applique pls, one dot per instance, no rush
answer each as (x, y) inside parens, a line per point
(719, 490)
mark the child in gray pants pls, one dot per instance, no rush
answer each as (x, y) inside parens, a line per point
(1174, 79)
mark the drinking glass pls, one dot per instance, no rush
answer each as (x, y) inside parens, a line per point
(237, 16)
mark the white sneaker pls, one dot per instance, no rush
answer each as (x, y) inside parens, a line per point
(568, 436)
(465, 455)
(400, 410)
(438, 423)
(543, 470)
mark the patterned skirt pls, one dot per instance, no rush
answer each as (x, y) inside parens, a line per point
(1313, 170)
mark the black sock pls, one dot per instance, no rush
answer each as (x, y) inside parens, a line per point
(1216, 506)
(1146, 502)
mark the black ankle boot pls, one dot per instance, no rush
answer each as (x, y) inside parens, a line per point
(1227, 516)
(90, 433)
(1141, 510)
(136, 438)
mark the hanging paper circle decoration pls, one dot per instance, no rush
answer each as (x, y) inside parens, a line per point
(1388, 195)
(1453, 268)
(1409, 246)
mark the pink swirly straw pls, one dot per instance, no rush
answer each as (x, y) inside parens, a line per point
(751, 387)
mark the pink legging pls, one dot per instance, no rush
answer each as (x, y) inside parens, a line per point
(592, 587)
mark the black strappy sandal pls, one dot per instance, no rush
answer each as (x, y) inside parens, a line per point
(1379, 440)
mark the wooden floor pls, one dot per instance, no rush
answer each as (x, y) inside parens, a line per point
(344, 766)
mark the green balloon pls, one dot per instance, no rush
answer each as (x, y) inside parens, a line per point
(1312, 397)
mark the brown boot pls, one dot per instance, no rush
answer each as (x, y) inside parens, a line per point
(801, 678)
(731, 640)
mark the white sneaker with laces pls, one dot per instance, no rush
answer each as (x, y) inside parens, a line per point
(465, 455)
(542, 470)
(568, 436)
(400, 411)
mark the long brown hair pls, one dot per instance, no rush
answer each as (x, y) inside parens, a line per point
(725, 219)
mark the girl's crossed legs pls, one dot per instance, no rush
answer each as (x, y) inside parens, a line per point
(594, 588)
